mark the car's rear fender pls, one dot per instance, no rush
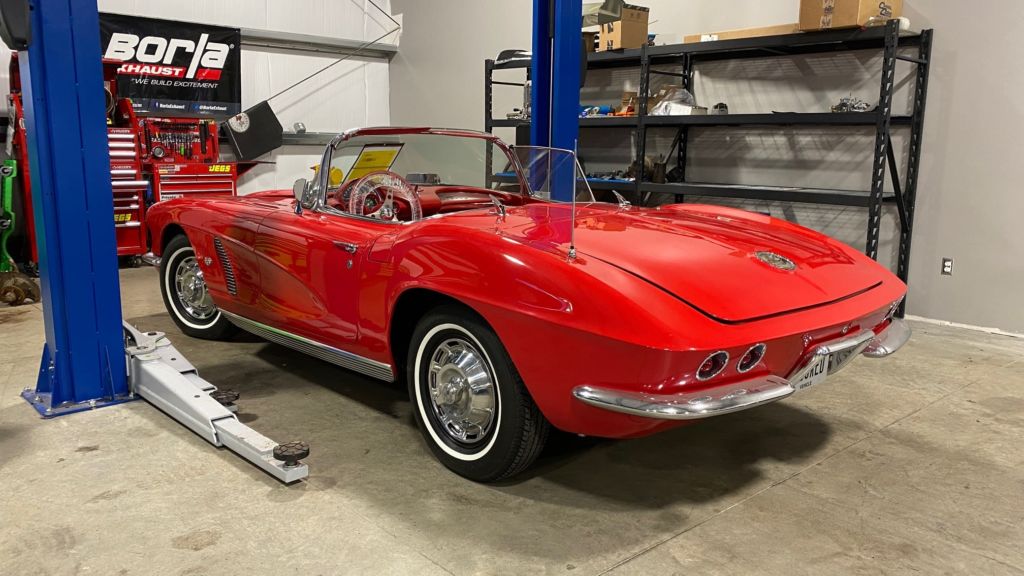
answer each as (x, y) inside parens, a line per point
(566, 324)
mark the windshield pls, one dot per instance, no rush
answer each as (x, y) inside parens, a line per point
(554, 174)
(425, 160)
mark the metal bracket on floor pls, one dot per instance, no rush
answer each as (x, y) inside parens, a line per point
(162, 376)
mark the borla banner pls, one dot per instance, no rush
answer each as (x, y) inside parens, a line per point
(173, 68)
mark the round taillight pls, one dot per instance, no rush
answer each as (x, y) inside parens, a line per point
(713, 365)
(751, 358)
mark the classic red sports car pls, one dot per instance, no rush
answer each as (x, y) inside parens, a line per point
(436, 256)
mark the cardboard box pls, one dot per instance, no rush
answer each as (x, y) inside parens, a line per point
(630, 32)
(827, 14)
(743, 33)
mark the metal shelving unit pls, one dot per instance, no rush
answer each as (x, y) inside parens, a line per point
(776, 119)
(886, 38)
(490, 122)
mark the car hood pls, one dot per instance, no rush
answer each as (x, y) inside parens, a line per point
(718, 260)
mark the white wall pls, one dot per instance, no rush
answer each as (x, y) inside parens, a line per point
(968, 203)
(352, 94)
(438, 80)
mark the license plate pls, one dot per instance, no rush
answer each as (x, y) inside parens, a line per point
(816, 375)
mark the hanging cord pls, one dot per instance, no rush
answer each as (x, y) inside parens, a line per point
(355, 52)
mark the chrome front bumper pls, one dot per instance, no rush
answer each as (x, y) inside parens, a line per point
(748, 393)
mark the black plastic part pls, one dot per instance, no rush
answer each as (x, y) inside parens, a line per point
(204, 135)
(15, 30)
(291, 452)
(264, 134)
(513, 59)
(225, 397)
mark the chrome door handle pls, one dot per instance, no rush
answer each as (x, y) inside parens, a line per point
(346, 246)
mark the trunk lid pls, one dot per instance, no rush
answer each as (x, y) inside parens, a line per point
(719, 260)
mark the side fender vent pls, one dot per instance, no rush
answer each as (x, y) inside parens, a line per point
(225, 263)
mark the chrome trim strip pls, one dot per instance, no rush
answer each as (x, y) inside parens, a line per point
(129, 183)
(688, 406)
(206, 178)
(889, 340)
(324, 352)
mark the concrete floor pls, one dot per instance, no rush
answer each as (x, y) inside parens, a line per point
(910, 465)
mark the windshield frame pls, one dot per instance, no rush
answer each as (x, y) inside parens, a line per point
(578, 168)
(321, 179)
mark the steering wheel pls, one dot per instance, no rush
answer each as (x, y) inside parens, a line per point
(385, 196)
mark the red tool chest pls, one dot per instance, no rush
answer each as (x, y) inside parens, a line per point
(129, 189)
(151, 159)
(177, 180)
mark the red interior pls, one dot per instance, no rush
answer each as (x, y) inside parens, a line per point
(440, 199)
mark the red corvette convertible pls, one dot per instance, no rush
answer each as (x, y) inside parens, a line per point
(437, 257)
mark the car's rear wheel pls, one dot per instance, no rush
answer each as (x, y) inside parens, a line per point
(470, 403)
(185, 294)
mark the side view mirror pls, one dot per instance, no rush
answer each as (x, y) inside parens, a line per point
(299, 190)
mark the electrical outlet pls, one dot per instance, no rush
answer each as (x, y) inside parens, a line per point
(947, 266)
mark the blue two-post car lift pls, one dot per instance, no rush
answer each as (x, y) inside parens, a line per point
(91, 357)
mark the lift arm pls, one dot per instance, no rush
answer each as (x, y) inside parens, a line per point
(161, 375)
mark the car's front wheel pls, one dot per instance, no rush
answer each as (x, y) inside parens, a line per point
(470, 403)
(185, 294)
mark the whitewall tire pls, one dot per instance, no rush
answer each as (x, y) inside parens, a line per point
(470, 403)
(185, 294)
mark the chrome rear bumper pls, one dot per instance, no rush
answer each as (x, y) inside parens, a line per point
(748, 393)
(702, 404)
(890, 340)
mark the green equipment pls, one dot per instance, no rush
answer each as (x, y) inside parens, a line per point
(15, 287)
(8, 171)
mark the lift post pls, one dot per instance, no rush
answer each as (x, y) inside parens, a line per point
(557, 53)
(82, 364)
(91, 358)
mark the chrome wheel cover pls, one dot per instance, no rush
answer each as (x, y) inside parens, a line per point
(461, 390)
(191, 291)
